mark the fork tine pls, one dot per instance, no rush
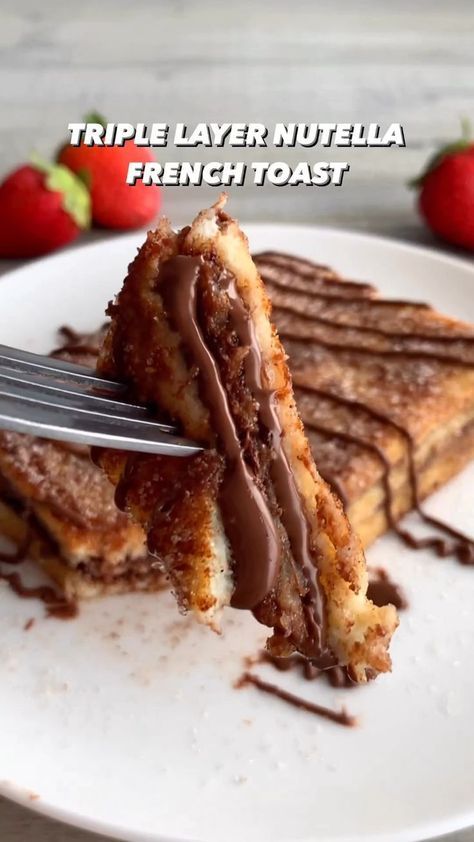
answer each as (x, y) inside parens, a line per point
(28, 416)
(80, 404)
(24, 361)
(32, 386)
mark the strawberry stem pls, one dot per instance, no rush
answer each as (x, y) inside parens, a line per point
(76, 199)
(95, 117)
(466, 129)
(460, 145)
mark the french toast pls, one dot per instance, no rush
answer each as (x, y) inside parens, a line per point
(385, 389)
(59, 507)
(247, 522)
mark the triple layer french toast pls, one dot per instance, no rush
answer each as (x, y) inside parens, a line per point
(385, 389)
(249, 521)
(59, 508)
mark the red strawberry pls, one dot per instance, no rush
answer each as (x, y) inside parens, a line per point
(42, 207)
(446, 199)
(115, 204)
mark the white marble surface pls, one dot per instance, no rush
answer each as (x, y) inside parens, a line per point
(175, 60)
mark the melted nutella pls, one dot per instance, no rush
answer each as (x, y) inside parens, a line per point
(289, 501)
(56, 605)
(335, 676)
(462, 547)
(371, 329)
(247, 520)
(390, 353)
(382, 590)
(335, 291)
(340, 717)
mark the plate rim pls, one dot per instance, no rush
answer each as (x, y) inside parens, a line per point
(13, 792)
(431, 252)
(414, 833)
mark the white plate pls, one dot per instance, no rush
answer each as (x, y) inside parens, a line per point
(126, 722)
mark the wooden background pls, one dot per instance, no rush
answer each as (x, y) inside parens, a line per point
(409, 61)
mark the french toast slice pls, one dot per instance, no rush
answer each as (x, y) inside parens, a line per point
(247, 522)
(386, 392)
(59, 507)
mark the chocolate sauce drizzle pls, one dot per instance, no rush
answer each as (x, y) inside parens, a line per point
(79, 343)
(335, 676)
(370, 329)
(56, 605)
(314, 272)
(335, 290)
(389, 353)
(462, 546)
(292, 514)
(382, 590)
(242, 504)
(341, 717)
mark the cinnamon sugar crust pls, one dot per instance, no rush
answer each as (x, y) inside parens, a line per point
(53, 491)
(381, 386)
(179, 502)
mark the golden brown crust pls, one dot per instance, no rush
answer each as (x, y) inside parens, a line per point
(367, 512)
(399, 370)
(172, 500)
(71, 497)
(79, 537)
(76, 583)
(146, 351)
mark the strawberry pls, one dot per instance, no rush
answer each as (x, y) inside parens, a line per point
(446, 199)
(42, 207)
(115, 204)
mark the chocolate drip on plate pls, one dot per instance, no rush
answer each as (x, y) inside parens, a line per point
(335, 676)
(56, 605)
(382, 590)
(340, 717)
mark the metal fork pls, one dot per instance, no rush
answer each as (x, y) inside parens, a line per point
(56, 399)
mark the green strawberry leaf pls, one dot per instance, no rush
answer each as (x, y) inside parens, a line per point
(76, 199)
(95, 117)
(59, 151)
(91, 117)
(464, 142)
(85, 176)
